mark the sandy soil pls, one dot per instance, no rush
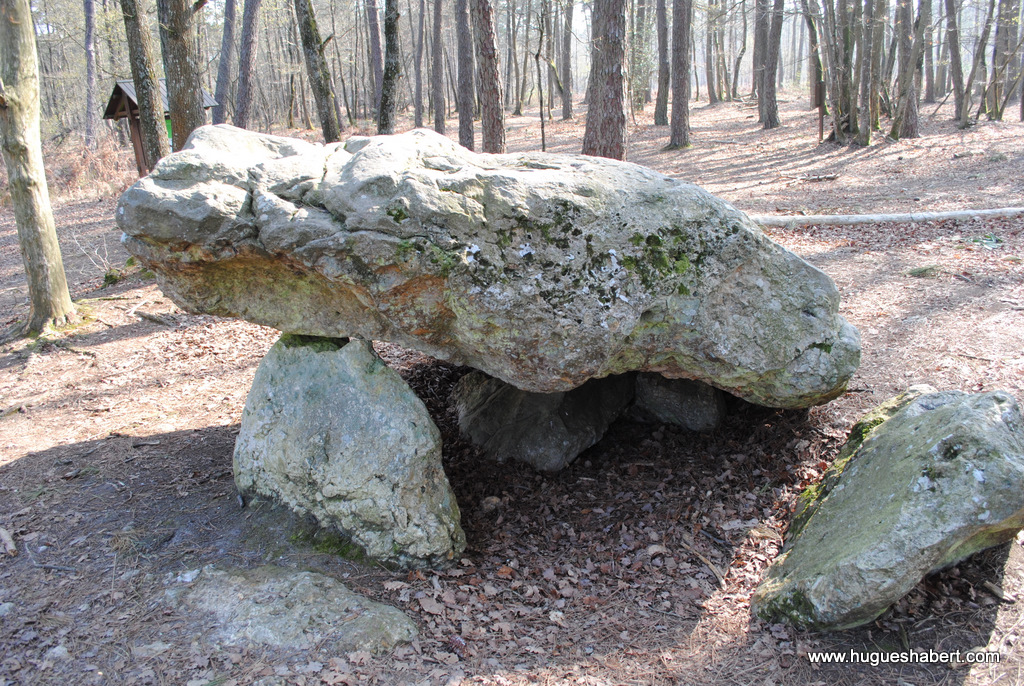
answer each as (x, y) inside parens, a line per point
(633, 566)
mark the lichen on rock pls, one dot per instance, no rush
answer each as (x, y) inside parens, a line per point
(542, 270)
(928, 480)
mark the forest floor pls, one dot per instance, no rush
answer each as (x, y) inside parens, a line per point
(633, 566)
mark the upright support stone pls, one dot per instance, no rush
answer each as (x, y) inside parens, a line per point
(331, 431)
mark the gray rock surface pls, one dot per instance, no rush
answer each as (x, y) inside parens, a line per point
(931, 479)
(541, 270)
(546, 430)
(288, 608)
(688, 404)
(331, 431)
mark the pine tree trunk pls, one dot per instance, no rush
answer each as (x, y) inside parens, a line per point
(567, 62)
(147, 92)
(664, 71)
(464, 38)
(605, 132)
(417, 105)
(181, 67)
(246, 62)
(388, 111)
(227, 56)
(437, 70)
(682, 19)
(711, 19)
(492, 111)
(90, 73)
(49, 300)
(376, 53)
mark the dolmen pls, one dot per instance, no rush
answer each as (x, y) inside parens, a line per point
(578, 288)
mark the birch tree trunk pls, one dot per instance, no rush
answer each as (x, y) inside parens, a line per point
(492, 111)
(147, 92)
(181, 67)
(227, 58)
(318, 70)
(49, 300)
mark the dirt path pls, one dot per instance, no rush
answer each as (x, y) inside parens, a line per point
(116, 439)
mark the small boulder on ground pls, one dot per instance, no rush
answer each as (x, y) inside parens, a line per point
(287, 608)
(928, 481)
(681, 402)
(331, 431)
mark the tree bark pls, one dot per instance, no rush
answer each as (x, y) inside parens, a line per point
(180, 50)
(49, 300)
(904, 121)
(682, 19)
(664, 73)
(147, 92)
(739, 55)
(867, 77)
(376, 53)
(318, 70)
(767, 104)
(762, 25)
(91, 120)
(567, 62)
(388, 110)
(464, 39)
(492, 111)
(711, 27)
(956, 69)
(437, 70)
(417, 105)
(605, 132)
(227, 57)
(246, 61)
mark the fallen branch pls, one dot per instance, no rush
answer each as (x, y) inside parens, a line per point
(792, 221)
(818, 177)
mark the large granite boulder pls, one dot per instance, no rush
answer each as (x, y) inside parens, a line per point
(928, 481)
(288, 608)
(545, 430)
(331, 431)
(542, 270)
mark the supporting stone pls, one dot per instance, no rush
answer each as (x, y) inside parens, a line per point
(331, 431)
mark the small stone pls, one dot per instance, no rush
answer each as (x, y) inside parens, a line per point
(6, 609)
(58, 653)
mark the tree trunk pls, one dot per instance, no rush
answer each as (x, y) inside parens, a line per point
(492, 111)
(91, 120)
(817, 73)
(49, 300)
(767, 104)
(227, 56)
(762, 25)
(246, 61)
(1004, 50)
(437, 70)
(682, 19)
(318, 70)
(181, 67)
(605, 133)
(147, 92)
(664, 73)
(739, 55)
(417, 105)
(711, 20)
(567, 62)
(880, 14)
(929, 51)
(388, 107)
(464, 38)
(904, 121)
(867, 78)
(376, 53)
